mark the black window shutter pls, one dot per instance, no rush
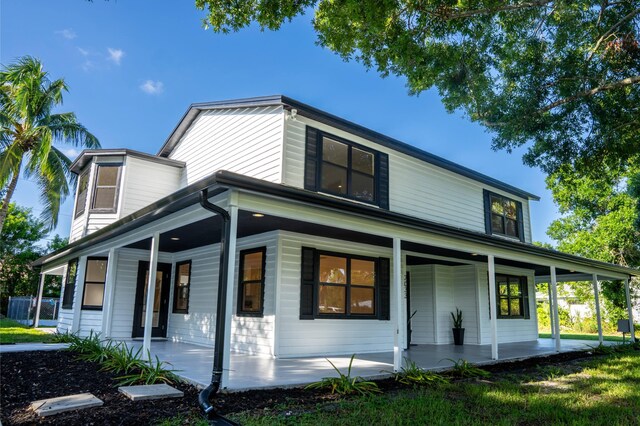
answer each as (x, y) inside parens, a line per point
(524, 285)
(520, 221)
(311, 159)
(307, 281)
(383, 181)
(487, 211)
(384, 285)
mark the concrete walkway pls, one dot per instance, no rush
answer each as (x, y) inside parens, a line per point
(250, 372)
(27, 347)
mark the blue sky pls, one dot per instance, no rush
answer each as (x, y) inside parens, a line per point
(133, 68)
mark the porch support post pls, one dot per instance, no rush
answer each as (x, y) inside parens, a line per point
(107, 308)
(36, 320)
(492, 306)
(629, 309)
(556, 316)
(596, 293)
(397, 293)
(231, 268)
(78, 293)
(151, 294)
(552, 322)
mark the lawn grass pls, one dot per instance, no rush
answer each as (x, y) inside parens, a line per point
(610, 338)
(14, 332)
(605, 392)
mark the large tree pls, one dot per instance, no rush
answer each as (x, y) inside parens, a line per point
(561, 77)
(29, 128)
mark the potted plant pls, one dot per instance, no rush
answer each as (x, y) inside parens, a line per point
(458, 331)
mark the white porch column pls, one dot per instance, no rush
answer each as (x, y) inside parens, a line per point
(493, 312)
(109, 291)
(552, 323)
(596, 293)
(78, 293)
(231, 273)
(397, 293)
(151, 293)
(629, 309)
(556, 316)
(36, 320)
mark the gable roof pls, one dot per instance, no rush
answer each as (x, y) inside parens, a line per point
(340, 123)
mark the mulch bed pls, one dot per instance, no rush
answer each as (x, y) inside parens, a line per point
(29, 376)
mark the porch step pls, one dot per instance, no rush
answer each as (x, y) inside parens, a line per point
(48, 407)
(144, 392)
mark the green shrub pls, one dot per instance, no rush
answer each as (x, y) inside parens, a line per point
(65, 337)
(344, 384)
(463, 368)
(412, 374)
(123, 359)
(148, 373)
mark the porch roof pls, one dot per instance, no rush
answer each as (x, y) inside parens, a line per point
(222, 181)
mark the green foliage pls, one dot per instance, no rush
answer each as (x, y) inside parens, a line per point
(29, 130)
(91, 344)
(344, 384)
(412, 374)
(20, 233)
(465, 369)
(148, 373)
(457, 318)
(65, 337)
(13, 332)
(123, 359)
(560, 77)
(550, 372)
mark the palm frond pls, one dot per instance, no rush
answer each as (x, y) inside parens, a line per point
(10, 162)
(52, 180)
(66, 129)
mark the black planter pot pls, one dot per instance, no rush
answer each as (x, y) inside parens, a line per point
(458, 336)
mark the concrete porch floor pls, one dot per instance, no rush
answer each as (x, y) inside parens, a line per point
(194, 362)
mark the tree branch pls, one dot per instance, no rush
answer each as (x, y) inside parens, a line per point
(610, 31)
(620, 83)
(447, 12)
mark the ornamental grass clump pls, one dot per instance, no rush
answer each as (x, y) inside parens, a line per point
(412, 374)
(148, 373)
(344, 384)
(465, 369)
(123, 360)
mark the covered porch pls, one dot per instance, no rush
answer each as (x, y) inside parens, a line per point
(193, 362)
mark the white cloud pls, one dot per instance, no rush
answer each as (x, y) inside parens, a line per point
(67, 33)
(115, 55)
(83, 52)
(71, 153)
(152, 87)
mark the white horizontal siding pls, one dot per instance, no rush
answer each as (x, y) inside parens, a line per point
(323, 336)
(252, 335)
(445, 302)
(65, 319)
(146, 182)
(465, 286)
(509, 330)
(416, 188)
(245, 140)
(125, 290)
(100, 220)
(90, 321)
(422, 302)
(77, 228)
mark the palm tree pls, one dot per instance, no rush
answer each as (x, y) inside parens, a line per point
(28, 131)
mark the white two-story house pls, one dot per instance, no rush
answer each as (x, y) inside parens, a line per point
(333, 235)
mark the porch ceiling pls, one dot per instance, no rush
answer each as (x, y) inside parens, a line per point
(207, 231)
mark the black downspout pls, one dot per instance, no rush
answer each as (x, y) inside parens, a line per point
(223, 283)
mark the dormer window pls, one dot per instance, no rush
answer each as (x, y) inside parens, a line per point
(105, 192)
(343, 168)
(503, 216)
(83, 188)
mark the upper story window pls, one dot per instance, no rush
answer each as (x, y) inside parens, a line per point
(83, 188)
(503, 216)
(339, 167)
(105, 192)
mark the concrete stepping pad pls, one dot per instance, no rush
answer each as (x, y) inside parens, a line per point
(143, 392)
(48, 407)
